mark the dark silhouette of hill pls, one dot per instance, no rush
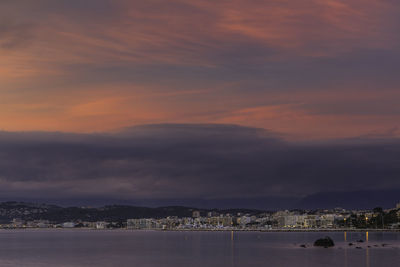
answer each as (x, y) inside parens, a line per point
(111, 213)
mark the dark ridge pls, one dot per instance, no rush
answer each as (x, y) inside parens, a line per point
(111, 213)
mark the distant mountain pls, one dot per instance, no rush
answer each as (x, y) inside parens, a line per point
(12, 209)
(119, 213)
(351, 200)
(116, 213)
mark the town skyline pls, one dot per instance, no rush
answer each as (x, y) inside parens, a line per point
(20, 215)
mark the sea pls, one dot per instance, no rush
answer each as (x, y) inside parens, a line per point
(63, 247)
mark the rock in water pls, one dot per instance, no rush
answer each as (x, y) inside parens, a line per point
(325, 242)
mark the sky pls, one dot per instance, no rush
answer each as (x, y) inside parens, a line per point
(214, 103)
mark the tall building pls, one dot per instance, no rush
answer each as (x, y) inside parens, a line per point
(196, 214)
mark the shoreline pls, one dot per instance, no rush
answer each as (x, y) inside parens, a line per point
(214, 230)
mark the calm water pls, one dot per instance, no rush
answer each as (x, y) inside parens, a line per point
(222, 249)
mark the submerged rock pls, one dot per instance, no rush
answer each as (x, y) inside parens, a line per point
(324, 242)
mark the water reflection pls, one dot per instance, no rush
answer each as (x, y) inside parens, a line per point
(367, 257)
(194, 249)
(232, 250)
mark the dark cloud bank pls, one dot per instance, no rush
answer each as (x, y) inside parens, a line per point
(198, 165)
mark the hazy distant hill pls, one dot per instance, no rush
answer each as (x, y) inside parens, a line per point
(351, 200)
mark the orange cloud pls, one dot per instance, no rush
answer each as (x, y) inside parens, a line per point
(55, 81)
(177, 34)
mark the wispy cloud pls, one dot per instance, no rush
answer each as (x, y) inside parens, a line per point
(100, 65)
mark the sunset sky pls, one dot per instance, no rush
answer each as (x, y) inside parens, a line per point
(242, 77)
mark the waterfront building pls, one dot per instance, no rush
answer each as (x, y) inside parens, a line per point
(212, 214)
(220, 221)
(68, 225)
(101, 225)
(141, 223)
(244, 220)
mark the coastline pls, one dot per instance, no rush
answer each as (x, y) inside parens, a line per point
(211, 230)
